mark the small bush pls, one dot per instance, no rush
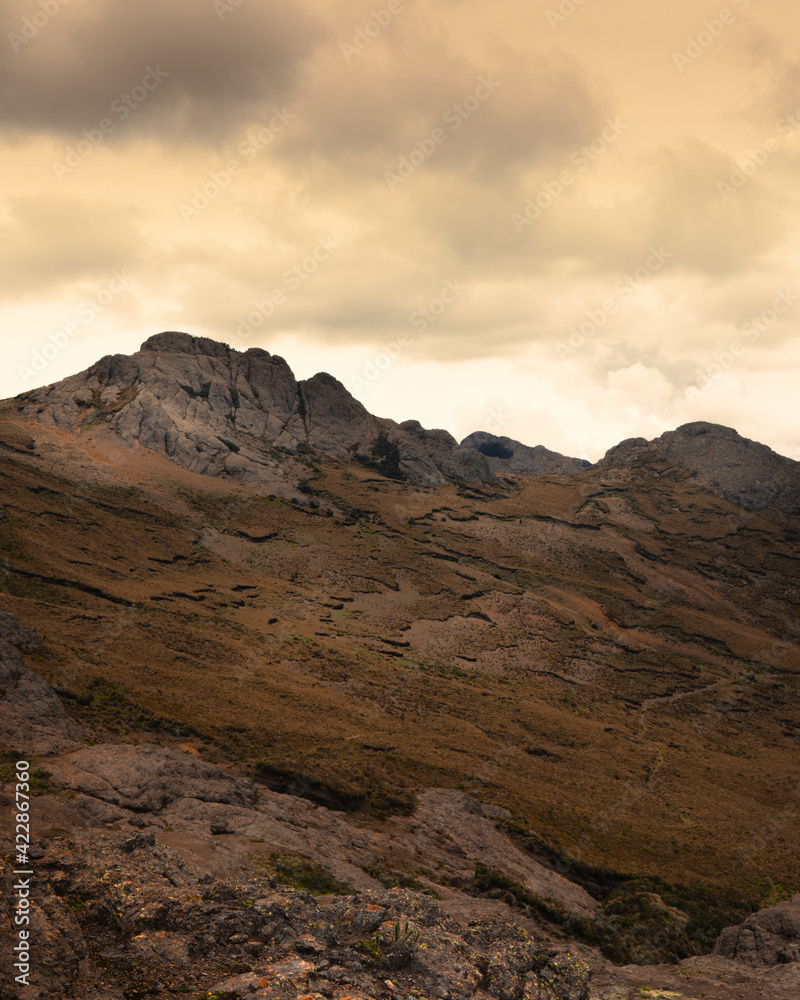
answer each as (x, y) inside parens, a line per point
(393, 946)
(298, 872)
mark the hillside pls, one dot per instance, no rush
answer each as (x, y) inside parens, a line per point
(609, 653)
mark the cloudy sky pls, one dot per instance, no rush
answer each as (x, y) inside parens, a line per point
(567, 222)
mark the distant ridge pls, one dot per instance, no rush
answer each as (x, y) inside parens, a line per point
(243, 415)
(506, 455)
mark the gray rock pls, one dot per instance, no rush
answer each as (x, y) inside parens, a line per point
(32, 719)
(472, 827)
(148, 778)
(216, 411)
(453, 461)
(769, 937)
(504, 454)
(24, 638)
(733, 467)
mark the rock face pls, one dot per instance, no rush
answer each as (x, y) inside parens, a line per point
(743, 471)
(132, 917)
(217, 411)
(172, 789)
(473, 829)
(197, 925)
(454, 460)
(506, 455)
(220, 412)
(148, 778)
(32, 719)
(769, 937)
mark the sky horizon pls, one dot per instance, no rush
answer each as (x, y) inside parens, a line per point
(562, 222)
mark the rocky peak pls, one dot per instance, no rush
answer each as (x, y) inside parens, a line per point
(743, 471)
(220, 412)
(172, 342)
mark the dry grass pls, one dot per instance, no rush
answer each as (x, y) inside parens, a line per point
(632, 697)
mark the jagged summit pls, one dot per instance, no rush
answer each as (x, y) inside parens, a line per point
(221, 412)
(217, 411)
(184, 343)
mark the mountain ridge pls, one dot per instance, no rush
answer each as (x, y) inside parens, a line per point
(603, 662)
(221, 412)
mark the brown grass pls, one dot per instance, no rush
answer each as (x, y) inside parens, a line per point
(633, 698)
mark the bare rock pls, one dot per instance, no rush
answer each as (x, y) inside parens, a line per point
(740, 470)
(455, 462)
(471, 827)
(58, 955)
(148, 778)
(32, 719)
(24, 638)
(220, 412)
(504, 454)
(769, 937)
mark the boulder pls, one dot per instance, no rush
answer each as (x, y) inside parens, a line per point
(769, 937)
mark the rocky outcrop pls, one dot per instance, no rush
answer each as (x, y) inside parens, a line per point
(504, 454)
(769, 937)
(473, 828)
(149, 778)
(175, 790)
(740, 470)
(455, 461)
(158, 874)
(132, 917)
(32, 719)
(220, 412)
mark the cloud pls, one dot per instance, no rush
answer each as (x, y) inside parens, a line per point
(53, 244)
(499, 110)
(215, 73)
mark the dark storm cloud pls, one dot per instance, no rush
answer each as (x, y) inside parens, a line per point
(215, 65)
(501, 111)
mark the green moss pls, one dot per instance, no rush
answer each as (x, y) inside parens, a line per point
(299, 872)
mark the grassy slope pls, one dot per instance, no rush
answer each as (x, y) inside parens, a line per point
(633, 698)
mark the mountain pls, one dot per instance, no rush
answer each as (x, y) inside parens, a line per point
(243, 416)
(506, 455)
(220, 412)
(563, 700)
(743, 471)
